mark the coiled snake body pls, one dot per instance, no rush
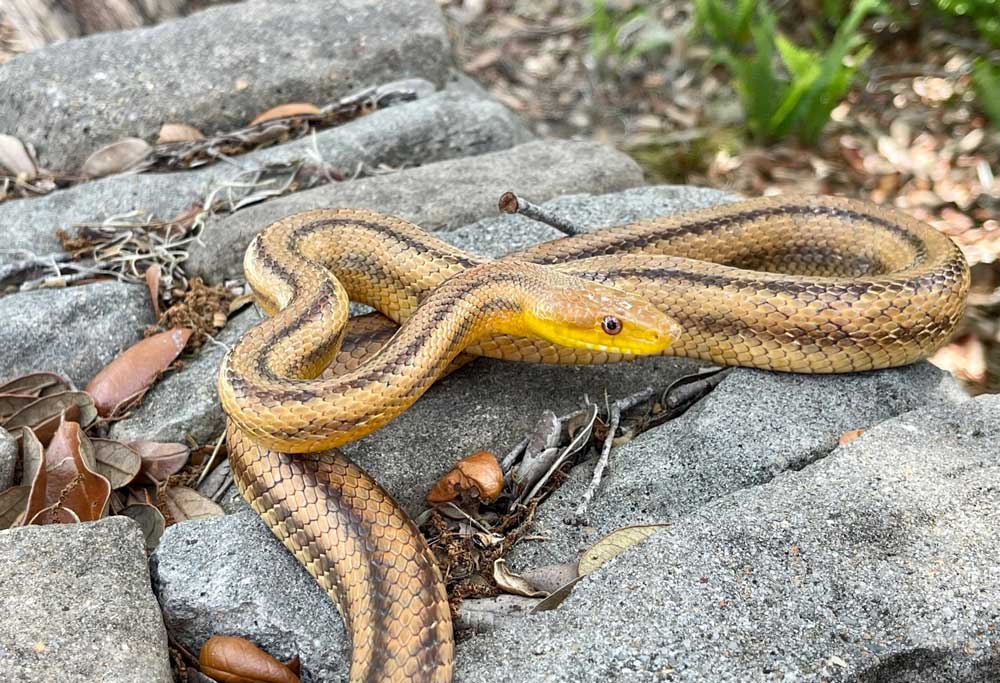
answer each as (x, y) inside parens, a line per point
(801, 284)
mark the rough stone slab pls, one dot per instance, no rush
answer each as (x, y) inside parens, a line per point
(185, 404)
(215, 70)
(77, 606)
(74, 331)
(229, 575)
(438, 196)
(877, 563)
(8, 459)
(752, 427)
(491, 405)
(460, 120)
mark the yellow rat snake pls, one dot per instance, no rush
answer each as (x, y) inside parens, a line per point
(798, 284)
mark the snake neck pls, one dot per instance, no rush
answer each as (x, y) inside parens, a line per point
(381, 261)
(268, 388)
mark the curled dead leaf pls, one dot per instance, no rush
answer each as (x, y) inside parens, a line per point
(32, 456)
(65, 482)
(13, 503)
(551, 577)
(132, 372)
(54, 514)
(614, 544)
(284, 111)
(160, 460)
(116, 462)
(229, 659)
(115, 158)
(510, 582)
(16, 159)
(153, 274)
(478, 473)
(184, 503)
(44, 414)
(848, 437)
(178, 132)
(36, 384)
(150, 520)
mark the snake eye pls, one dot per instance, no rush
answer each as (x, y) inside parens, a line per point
(611, 325)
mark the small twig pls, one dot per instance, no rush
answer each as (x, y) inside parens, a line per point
(226, 483)
(573, 447)
(211, 460)
(511, 203)
(615, 416)
(475, 522)
(509, 459)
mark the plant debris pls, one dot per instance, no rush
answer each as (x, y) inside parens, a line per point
(470, 540)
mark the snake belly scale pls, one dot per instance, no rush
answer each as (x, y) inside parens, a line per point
(801, 284)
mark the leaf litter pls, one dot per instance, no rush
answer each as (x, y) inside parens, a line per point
(470, 536)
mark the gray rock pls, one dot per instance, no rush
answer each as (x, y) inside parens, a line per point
(230, 576)
(876, 563)
(8, 459)
(74, 331)
(214, 70)
(184, 404)
(436, 196)
(751, 428)
(77, 606)
(458, 121)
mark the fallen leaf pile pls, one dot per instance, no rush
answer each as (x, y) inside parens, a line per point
(67, 471)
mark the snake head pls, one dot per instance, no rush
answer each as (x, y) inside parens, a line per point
(599, 318)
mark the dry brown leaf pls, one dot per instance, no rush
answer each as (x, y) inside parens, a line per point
(556, 597)
(115, 158)
(848, 437)
(479, 473)
(44, 414)
(116, 462)
(133, 371)
(229, 659)
(615, 543)
(36, 384)
(150, 520)
(16, 159)
(65, 482)
(286, 110)
(160, 460)
(551, 577)
(153, 274)
(11, 403)
(32, 456)
(54, 514)
(510, 582)
(178, 132)
(13, 503)
(185, 503)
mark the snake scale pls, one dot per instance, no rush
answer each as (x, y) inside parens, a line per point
(798, 284)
